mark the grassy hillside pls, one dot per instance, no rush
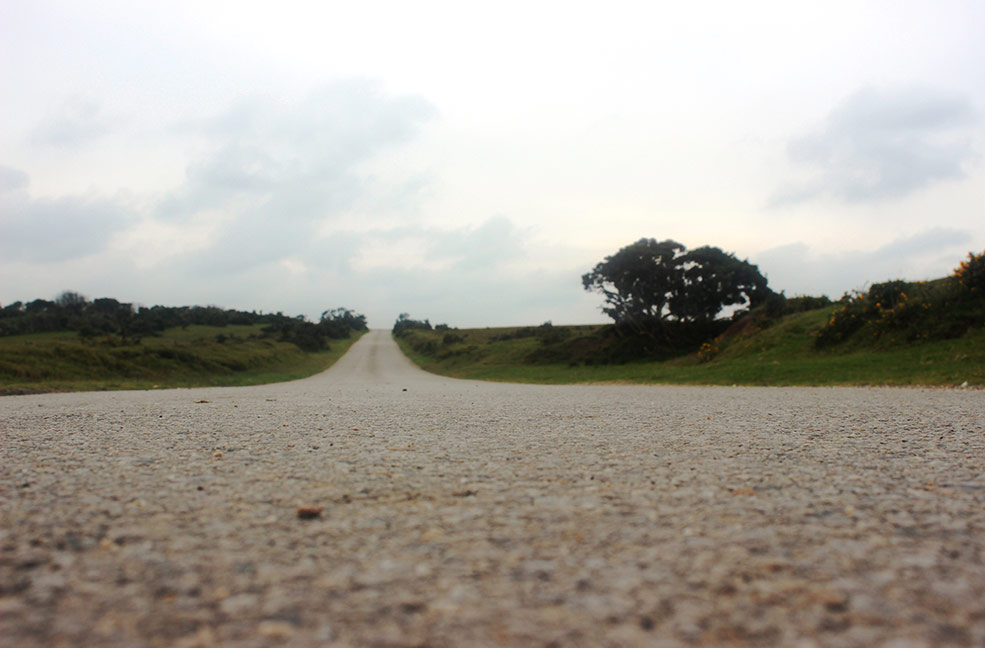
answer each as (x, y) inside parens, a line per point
(896, 333)
(783, 353)
(194, 356)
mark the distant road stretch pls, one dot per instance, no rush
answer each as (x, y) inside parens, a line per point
(458, 513)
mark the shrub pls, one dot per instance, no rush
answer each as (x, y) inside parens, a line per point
(843, 322)
(970, 275)
(708, 351)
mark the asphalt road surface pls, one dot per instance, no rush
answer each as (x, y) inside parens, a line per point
(459, 513)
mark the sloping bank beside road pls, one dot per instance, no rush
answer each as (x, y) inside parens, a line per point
(780, 354)
(461, 512)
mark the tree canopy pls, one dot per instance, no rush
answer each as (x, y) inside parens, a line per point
(651, 281)
(714, 280)
(405, 324)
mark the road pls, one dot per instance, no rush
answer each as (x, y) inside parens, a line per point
(460, 513)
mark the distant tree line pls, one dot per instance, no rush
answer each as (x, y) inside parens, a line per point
(105, 316)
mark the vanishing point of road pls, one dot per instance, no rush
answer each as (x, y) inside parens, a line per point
(459, 513)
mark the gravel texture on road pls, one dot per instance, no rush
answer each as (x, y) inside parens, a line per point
(377, 505)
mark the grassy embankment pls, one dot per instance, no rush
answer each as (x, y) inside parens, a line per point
(782, 354)
(193, 357)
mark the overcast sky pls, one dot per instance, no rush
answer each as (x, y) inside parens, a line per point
(467, 162)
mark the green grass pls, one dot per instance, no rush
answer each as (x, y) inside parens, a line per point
(780, 355)
(191, 357)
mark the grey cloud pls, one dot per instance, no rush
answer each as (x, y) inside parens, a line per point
(466, 279)
(74, 122)
(927, 255)
(251, 240)
(334, 252)
(235, 168)
(285, 169)
(42, 231)
(482, 248)
(459, 299)
(932, 242)
(12, 179)
(477, 299)
(464, 250)
(474, 287)
(304, 155)
(883, 144)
